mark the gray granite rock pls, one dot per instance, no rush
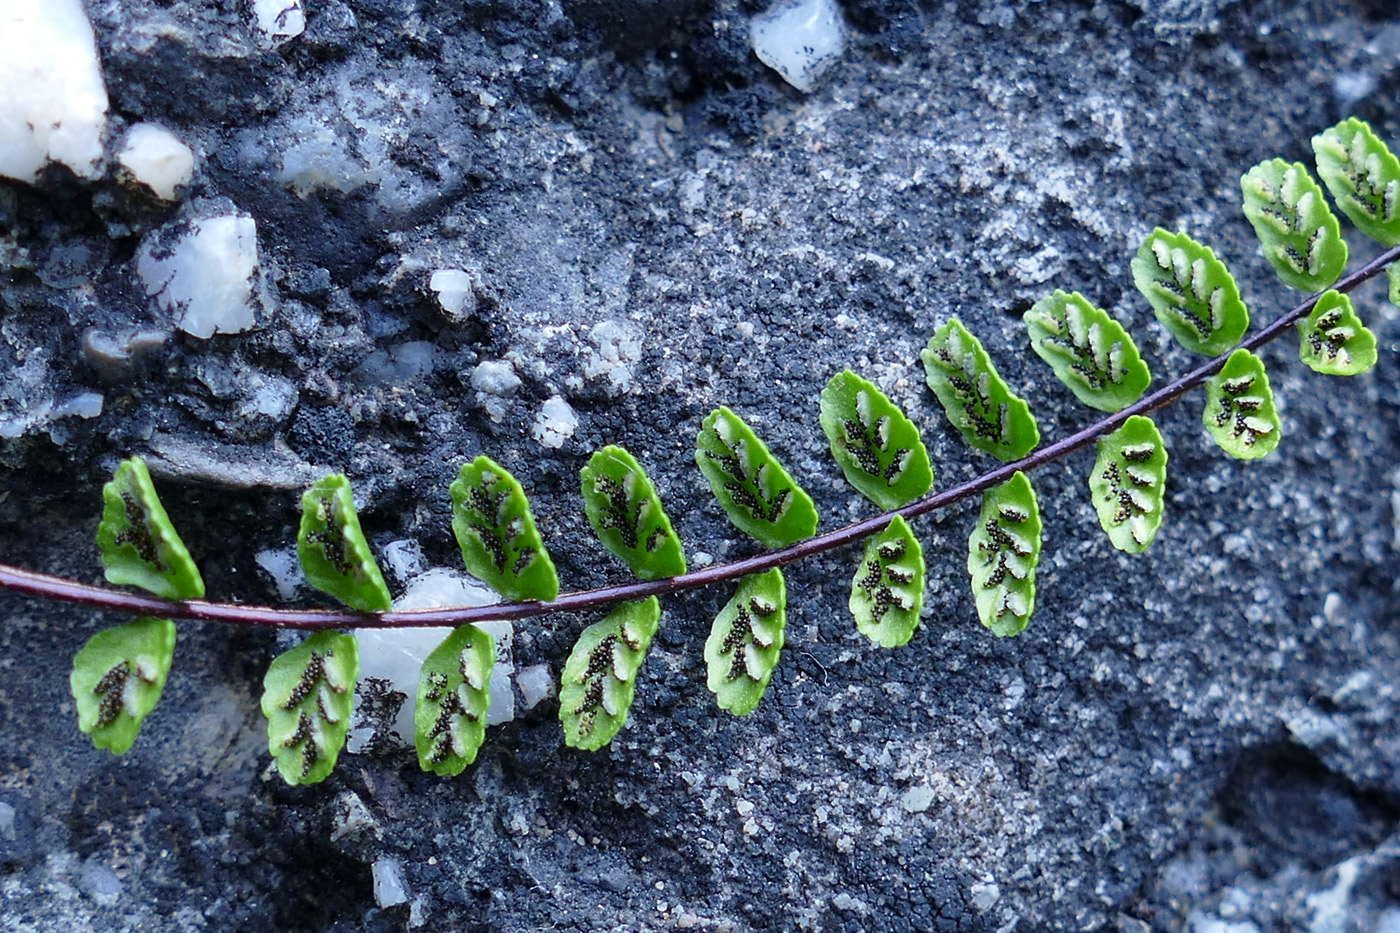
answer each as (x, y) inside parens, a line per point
(1202, 737)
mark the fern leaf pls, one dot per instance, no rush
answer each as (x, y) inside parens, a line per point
(139, 544)
(117, 680)
(449, 717)
(887, 593)
(754, 490)
(976, 400)
(496, 532)
(1333, 340)
(1002, 556)
(1300, 234)
(307, 696)
(626, 514)
(876, 446)
(1239, 410)
(333, 551)
(745, 642)
(1192, 293)
(1392, 274)
(1363, 176)
(1129, 482)
(1089, 351)
(600, 677)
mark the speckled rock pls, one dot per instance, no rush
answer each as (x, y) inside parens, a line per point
(652, 223)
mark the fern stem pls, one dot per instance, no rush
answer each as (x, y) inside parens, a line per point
(46, 586)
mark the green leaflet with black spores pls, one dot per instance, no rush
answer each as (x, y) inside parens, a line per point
(333, 551)
(1333, 341)
(454, 690)
(626, 514)
(1089, 351)
(1363, 176)
(307, 696)
(1128, 484)
(1192, 293)
(976, 400)
(139, 544)
(877, 447)
(1301, 237)
(1002, 556)
(496, 532)
(754, 490)
(1392, 274)
(746, 641)
(600, 677)
(1239, 410)
(887, 593)
(118, 677)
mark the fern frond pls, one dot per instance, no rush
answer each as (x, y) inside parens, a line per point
(493, 525)
(1002, 555)
(1301, 237)
(626, 514)
(1089, 351)
(1363, 176)
(1333, 341)
(454, 690)
(887, 593)
(746, 641)
(974, 397)
(117, 680)
(1128, 484)
(1192, 293)
(307, 697)
(139, 545)
(1239, 410)
(600, 677)
(754, 490)
(878, 449)
(333, 551)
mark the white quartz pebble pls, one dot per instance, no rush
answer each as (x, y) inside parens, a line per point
(279, 21)
(204, 278)
(156, 158)
(453, 287)
(53, 104)
(800, 40)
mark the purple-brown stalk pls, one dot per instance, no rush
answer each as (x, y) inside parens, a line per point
(46, 586)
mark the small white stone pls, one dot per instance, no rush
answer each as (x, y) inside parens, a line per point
(799, 39)
(99, 882)
(82, 405)
(53, 106)
(156, 158)
(390, 890)
(535, 683)
(442, 588)
(495, 377)
(403, 558)
(985, 895)
(284, 568)
(453, 287)
(206, 276)
(848, 904)
(397, 655)
(555, 423)
(279, 21)
(502, 708)
(917, 798)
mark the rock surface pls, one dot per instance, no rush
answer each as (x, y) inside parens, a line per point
(651, 223)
